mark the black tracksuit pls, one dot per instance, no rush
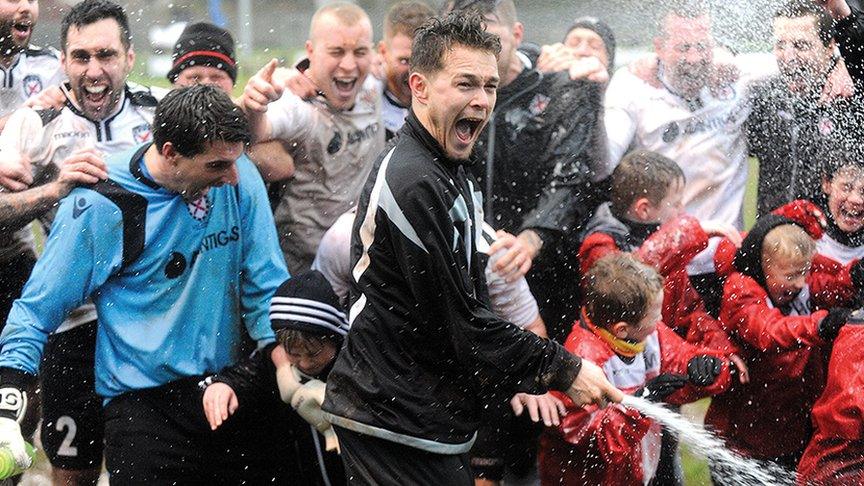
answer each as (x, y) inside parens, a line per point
(423, 345)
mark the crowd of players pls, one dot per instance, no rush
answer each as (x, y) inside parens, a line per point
(439, 259)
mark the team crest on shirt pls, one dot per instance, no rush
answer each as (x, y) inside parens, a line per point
(199, 209)
(538, 104)
(826, 126)
(32, 85)
(141, 133)
(671, 132)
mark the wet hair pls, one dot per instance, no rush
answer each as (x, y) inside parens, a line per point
(92, 11)
(619, 288)
(405, 18)
(346, 13)
(503, 10)
(438, 35)
(787, 243)
(193, 117)
(795, 9)
(292, 338)
(687, 9)
(839, 160)
(642, 173)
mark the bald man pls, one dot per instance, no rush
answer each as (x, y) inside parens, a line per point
(337, 132)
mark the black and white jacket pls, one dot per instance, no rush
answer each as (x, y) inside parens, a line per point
(424, 346)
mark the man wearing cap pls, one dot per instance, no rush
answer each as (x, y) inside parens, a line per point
(204, 54)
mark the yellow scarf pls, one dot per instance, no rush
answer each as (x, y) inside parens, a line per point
(620, 346)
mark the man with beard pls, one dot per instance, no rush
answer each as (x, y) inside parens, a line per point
(403, 394)
(26, 69)
(793, 130)
(337, 133)
(395, 49)
(50, 152)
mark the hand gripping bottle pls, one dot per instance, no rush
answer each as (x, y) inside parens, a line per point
(8, 468)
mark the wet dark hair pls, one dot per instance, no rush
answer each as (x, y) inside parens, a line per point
(291, 338)
(192, 117)
(841, 159)
(620, 288)
(642, 173)
(438, 35)
(804, 8)
(503, 10)
(405, 18)
(92, 11)
(688, 9)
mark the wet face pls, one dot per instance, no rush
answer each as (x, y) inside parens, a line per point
(801, 56)
(97, 64)
(671, 206)
(396, 52)
(312, 358)
(17, 20)
(648, 324)
(845, 193)
(340, 56)
(784, 279)
(685, 51)
(587, 43)
(194, 176)
(457, 100)
(204, 75)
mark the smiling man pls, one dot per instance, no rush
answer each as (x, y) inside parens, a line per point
(337, 133)
(424, 347)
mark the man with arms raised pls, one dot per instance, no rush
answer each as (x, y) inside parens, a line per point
(403, 394)
(337, 133)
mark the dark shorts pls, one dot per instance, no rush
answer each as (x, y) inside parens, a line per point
(160, 436)
(72, 429)
(13, 276)
(373, 461)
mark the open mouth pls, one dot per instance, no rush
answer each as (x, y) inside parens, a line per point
(852, 217)
(466, 128)
(345, 86)
(22, 29)
(96, 93)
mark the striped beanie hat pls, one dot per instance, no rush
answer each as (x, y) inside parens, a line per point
(307, 303)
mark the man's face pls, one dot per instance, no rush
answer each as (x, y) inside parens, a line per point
(396, 52)
(194, 176)
(845, 193)
(97, 63)
(312, 359)
(339, 56)
(459, 98)
(511, 38)
(685, 51)
(784, 279)
(204, 75)
(587, 43)
(801, 56)
(17, 19)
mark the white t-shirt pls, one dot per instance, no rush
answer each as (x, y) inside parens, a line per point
(708, 142)
(32, 71)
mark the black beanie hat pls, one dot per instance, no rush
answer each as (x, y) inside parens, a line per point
(204, 44)
(307, 302)
(600, 28)
(748, 258)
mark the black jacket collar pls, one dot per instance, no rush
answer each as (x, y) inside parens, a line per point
(414, 129)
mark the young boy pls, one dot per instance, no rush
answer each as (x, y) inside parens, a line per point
(843, 187)
(835, 454)
(620, 330)
(778, 315)
(645, 216)
(310, 328)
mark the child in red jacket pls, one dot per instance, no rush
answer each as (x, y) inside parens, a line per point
(843, 203)
(835, 454)
(645, 216)
(620, 330)
(781, 318)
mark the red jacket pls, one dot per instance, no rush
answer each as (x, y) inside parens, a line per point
(769, 417)
(669, 250)
(835, 454)
(616, 445)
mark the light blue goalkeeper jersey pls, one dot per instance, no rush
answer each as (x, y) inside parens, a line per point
(176, 285)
